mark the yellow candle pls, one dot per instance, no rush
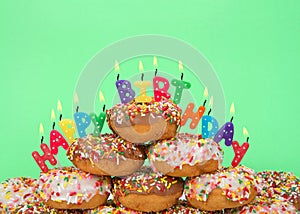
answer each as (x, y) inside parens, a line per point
(68, 127)
(143, 97)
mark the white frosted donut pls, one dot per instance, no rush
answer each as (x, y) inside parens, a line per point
(186, 155)
(70, 188)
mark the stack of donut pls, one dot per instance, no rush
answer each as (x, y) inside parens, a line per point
(181, 165)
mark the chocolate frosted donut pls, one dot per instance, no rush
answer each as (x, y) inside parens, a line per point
(70, 188)
(282, 186)
(107, 154)
(16, 191)
(228, 188)
(186, 155)
(143, 122)
(147, 191)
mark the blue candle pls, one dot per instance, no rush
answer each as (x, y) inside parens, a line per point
(206, 120)
(82, 121)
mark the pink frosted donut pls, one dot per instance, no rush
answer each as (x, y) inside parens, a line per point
(227, 188)
(186, 155)
(16, 191)
(70, 188)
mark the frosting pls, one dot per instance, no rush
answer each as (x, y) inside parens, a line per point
(106, 146)
(145, 181)
(283, 186)
(236, 184)
(124, 113)
(71, 185)
(266, 205)
(186, 149)
(16, 191)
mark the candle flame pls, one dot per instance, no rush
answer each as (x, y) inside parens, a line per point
(76, 100)
(211, 101)
(205, 93)
(41, 129)
(52, 115)
(141, 67)
(117, 67)
(101, 97)
(180, 66)
(59, 107)
(232, 110)
(246, 134)
(155, 62)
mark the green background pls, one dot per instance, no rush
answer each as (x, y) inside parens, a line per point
(254, 48)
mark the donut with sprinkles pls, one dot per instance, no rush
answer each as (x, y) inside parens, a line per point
(71, 188)
(15, 191)
(147, 191)
(282, 186)
(107, 154)
(227, 188)
(143, 122)
(186, 155)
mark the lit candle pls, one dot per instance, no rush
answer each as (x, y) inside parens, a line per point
(160, 92)
(40, 160)
(67, 126)
(180, 85)
(194, 116)
(209, 121)
(240, 151)
(124, 87)
(227, 130)
(142, 85)
(56, 138)
(82, 121)
(98, 121)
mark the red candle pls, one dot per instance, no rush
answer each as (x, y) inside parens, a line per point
(239, 151)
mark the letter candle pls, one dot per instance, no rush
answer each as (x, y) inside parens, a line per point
(98, 121)
(82, 120)
(227, 130)
(207, 121)
(240, 151)
(160, 92)
(142, 85)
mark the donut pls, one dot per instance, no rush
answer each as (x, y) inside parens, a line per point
(70, 188)
(227, 188)
(278, 185)
(15, 191)
(264, 206)
(186, 155)
(143, 122)
(107, 154)
(147, 191)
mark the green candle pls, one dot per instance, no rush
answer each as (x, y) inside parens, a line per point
(98, 122)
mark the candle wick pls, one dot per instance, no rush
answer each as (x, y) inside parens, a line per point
(231, 119)
(53, 126)
(155, 73)
(204, 102)
(118, 76)
(209, 112)
(77, 108)
(142, 77)
(247, 139)
(181, 76)
(103, 109)
(42, 139)
(60, 116)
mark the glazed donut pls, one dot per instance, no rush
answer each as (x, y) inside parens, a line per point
(228, 188)
(264, 206)
(15, 191)
(143, 122)
(186, 155)
(70, 188)
(147, 191)
(107, 154)
(278, 185)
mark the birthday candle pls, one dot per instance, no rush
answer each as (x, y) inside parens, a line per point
(208, 120)
(82, 121)
(180, 85)
(227, 131)
(194, 116)
(124, 87)
(142, 85)
(56, 140)
(98, 121)
(160, 92)
(239, 151)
